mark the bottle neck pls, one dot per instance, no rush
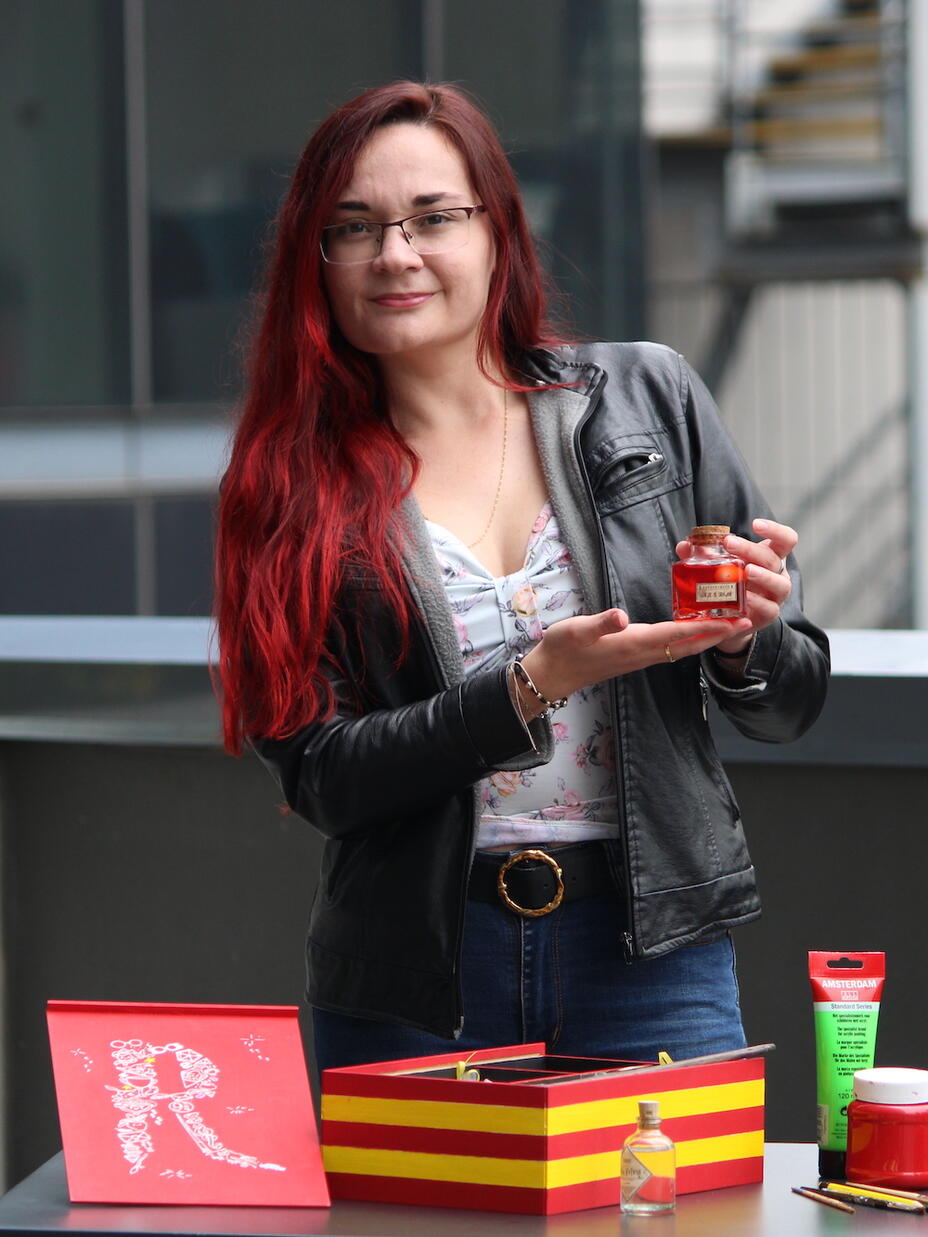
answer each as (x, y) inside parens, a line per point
(708, 549)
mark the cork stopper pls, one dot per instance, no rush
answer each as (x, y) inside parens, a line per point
(649, 1113)
(704, 534)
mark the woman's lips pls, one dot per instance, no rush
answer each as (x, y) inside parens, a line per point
(402, 300)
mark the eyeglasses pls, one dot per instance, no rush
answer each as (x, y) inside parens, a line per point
(361, 240)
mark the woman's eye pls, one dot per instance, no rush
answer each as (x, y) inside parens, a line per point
(434, 221)
(353, 229)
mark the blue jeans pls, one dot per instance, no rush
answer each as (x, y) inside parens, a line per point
(563, 979)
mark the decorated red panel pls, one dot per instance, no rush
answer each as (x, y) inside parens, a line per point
(189, 1104)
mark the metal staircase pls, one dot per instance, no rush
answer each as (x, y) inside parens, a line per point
(817, 128)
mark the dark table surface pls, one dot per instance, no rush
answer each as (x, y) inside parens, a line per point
(40, 1205)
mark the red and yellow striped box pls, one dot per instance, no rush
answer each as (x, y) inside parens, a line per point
(391, 1133)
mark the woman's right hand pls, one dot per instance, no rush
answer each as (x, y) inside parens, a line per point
(578, 652)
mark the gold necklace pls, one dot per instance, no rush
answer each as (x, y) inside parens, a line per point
(502, 466)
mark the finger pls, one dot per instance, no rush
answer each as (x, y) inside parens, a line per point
(693, 637)
(762, 553)
(592, 627)
(684, 630)
(783, 538)
(765, 582)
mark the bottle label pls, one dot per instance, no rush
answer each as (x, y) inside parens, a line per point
(647, 1176)
(717, 592)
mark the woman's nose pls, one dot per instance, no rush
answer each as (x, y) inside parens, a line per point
(396, 253)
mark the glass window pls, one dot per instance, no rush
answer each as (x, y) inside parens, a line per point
(67, 558)
(234, 89)
(183, 556)
(561, 80)
(63, 250)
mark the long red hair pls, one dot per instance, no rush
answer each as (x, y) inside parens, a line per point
(317, 471)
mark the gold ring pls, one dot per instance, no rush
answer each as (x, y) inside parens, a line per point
(668, 654)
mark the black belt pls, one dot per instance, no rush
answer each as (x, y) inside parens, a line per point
(535, 882)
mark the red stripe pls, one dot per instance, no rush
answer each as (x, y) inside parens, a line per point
(697, 1177)
(444, 1090)
(437, 1142)
(513, 1095)
(713, 1124)
(668, 1078)
(377, 1082)
(442, 1059)
(604, 1193)
(529, 1146)
(680, 1129)
(437, 1193)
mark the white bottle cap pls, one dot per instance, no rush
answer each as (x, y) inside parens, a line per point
(891, 1085)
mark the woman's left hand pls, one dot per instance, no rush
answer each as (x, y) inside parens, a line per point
(767, 581)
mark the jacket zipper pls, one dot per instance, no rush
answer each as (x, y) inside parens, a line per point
(646, 466)
(628, 940)
(441, 684)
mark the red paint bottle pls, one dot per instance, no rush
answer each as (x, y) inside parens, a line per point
(710, 583)
(887, 1134)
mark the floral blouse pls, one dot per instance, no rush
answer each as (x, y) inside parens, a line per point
(572, 797)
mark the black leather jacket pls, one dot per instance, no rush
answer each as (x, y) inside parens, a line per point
(634, 455)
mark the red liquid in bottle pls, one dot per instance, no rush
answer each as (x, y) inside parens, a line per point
(710, 583)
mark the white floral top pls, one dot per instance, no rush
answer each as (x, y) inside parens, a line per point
(573, 797)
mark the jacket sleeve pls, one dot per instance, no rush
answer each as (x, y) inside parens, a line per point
(786, 674)
(355, 771)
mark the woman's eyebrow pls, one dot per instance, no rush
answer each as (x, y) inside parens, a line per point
(421, 199)
(429, 199)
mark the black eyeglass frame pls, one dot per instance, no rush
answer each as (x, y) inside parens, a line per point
(396, 223)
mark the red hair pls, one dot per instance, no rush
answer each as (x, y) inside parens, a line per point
(317, 470)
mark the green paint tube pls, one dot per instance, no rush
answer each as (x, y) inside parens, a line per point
(846, 991)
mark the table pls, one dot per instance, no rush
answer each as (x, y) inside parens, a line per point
(40, 1205)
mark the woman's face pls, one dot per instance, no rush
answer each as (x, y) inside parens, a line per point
(402, 302)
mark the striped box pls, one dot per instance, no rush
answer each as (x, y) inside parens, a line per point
(392, 1133)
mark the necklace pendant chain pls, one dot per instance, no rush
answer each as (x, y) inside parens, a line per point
(502, 467)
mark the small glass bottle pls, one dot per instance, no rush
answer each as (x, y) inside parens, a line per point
(649, 1166)
(710, 583)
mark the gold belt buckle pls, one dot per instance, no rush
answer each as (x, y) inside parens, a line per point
(524, 910)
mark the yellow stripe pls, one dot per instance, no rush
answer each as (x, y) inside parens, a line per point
(434, 1115)
(527, 1174)
(569, 1119)
(578, 1169)
(690, 1102)
(722, 1147)
(470, 1169)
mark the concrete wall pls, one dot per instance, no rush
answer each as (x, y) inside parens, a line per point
(171, 874)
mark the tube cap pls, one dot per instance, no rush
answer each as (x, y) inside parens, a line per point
(891, 1085)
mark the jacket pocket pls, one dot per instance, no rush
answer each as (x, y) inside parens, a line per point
(627, 472)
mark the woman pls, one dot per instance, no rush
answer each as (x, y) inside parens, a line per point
(443, 585)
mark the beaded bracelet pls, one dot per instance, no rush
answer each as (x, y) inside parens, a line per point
(523, 675)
